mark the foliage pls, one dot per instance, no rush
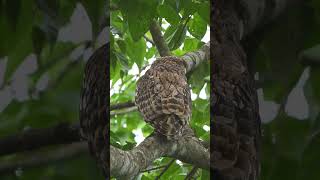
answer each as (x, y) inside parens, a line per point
(290, 139)
(184, 24)
(43, 89)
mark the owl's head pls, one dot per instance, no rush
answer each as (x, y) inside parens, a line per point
(171, 63)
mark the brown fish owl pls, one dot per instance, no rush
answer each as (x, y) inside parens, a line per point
(94, 112)
(163, 97)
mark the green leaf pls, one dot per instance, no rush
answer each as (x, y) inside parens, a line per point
(175, 36)
(189, 7)
(138, 14)
(38, 39)
(204, 11)
(17, 43)
(197, 26)
(136, 50)
(96, 10)
(12, 12)
(173, 3)
(66, 9)
(122, 45)
(123, 61)
(117, 26)
(128, 145)
(23, 48)
(151, 52)
(311, 55)
(115, 68)
(310, 158)
(167, 12)
(190, 44)
(205, 174)
(198, 76)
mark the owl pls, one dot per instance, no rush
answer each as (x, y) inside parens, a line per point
(163, 97)
(94, 101)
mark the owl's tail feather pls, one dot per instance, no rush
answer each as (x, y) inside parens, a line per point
(170, 126)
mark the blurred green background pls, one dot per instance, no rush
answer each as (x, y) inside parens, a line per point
(43, 49)
(288, 89)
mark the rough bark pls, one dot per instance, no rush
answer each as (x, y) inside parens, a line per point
(42, 158)
(63, 133)
(158, 39)
(235, 140)
(128, 164)
(236, 123)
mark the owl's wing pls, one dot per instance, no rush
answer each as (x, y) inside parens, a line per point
(164, 100)
(93, 106)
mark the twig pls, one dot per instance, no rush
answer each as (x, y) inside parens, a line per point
(165, 169)
(152, 169)
(124, 111)
(158, 39)
(191, 173)
(122, 105)
(35, 138)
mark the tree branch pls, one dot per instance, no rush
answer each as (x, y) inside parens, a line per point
(158, 39)
(193, 59)
(35, 138)
(37, 159)
(128, 164)
(122, 105)
(155, 168)
(192, 173)
(124, 111)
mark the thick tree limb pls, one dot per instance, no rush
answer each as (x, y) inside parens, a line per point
(60, 134)
(37, 159)
(35, 138)
(193, 59)
(128, 164)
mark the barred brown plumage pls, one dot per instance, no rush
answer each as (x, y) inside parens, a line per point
(236, 134)
(94, 113)
(163, 96)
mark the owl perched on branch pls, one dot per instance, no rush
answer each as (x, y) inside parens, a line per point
(94, 114)
(163, 97)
